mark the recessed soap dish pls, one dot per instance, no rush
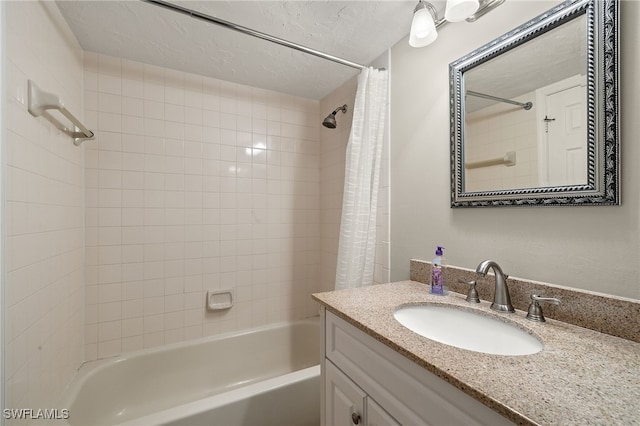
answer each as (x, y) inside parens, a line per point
(218, 300)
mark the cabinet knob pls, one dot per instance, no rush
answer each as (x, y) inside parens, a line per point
(355, 418)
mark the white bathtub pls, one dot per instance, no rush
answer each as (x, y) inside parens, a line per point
(264, 376)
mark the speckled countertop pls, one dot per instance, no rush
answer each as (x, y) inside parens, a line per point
(581, 377)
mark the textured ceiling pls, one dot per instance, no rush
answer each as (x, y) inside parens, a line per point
(358, 31)
(551, 57)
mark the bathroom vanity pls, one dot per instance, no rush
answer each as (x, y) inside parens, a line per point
(376, 371)
(369, 383)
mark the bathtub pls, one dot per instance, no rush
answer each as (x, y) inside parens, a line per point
(264, 376)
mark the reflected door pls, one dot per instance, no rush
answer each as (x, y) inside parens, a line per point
(564, 134)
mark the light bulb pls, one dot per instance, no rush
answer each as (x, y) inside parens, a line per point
(423, 29)
(459, 10)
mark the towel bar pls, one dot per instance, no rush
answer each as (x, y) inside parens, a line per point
(41, 101)
(508, 160)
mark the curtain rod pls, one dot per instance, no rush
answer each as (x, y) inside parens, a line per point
(251, 32)
(526, 105)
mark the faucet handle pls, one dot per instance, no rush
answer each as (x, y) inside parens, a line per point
(535, 310)
(472, 295)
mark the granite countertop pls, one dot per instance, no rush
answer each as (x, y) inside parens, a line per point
(581, 377)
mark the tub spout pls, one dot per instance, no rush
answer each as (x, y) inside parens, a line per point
(501, 298)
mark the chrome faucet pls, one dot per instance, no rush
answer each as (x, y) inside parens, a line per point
(501, 299)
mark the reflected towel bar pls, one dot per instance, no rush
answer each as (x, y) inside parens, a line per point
(41, 101)
(508, 160)
(526, 105)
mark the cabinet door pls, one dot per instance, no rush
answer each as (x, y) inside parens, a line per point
(344, 400)
(377, 416)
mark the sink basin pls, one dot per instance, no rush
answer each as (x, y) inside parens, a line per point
(467, 330)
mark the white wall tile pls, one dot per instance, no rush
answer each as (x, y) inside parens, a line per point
(189, 203)
(43, 200)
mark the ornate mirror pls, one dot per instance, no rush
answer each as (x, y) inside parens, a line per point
(534, 113)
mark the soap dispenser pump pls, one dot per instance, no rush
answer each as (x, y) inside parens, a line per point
(437, 278)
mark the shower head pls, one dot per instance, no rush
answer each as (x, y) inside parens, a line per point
(330, 121)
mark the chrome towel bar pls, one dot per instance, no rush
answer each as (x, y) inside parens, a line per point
(41, 101)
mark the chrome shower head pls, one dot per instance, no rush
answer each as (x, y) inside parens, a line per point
(330, 121)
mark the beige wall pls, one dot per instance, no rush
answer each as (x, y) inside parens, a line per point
(44, 211)
(595, 248)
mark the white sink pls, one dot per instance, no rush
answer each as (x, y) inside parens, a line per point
(467, 330)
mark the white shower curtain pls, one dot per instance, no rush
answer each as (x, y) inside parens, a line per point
(357, 247)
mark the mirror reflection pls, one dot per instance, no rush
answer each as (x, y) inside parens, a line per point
(525, 114)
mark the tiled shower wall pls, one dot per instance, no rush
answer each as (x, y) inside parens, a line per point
(499, 129)
(44, 211)
(194, 184)
(191, 184)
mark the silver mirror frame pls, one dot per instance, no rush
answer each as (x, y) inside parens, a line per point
(603, 153)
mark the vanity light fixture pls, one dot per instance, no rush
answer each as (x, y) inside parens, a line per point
(426, 22)
(423, 26)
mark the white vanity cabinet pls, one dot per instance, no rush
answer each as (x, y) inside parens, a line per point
(348, 404)
(367, 382)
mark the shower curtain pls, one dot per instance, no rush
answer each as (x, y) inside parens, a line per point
(357, 246)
